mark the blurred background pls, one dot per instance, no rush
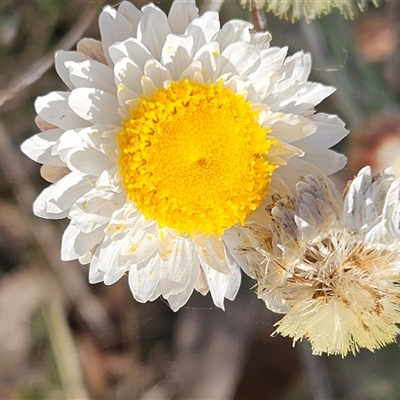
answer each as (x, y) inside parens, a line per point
(61, 338)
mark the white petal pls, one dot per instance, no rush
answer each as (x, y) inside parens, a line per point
(54, 109)
(92, 48)
(176, 301)
(270, 61)
(233, 31)
(212, 252)
(56, 200)
(194, 73)
(297, 98)
(98, 134)
(379, 234)
(209, 56)
(201, 284)
(183, 258)
(75, 243)
(235, 278)
(148, 86)
(109, 180)
(53, 173)
(235, 238)
(243, 56)
(108, 262)
(144, 278)
(290, 128)
(176, 54)
(95, 106)
(261, 40)
(330, 130)
(166, 241)
(157, 73)
(128, 74)
(391, 211)
(354, 203)
(133, 49)
(88, 161)
(114, 27)
(95, 275)
(39, 147)
(297, 67)
(43, 125)
(203, 28)
(153, 29)
(92, 74)
(218, 284)
(241, 86)
(327, 160)
(138, 245)
(62, 58)
(182, 12)
(94, 209)
(131, 13)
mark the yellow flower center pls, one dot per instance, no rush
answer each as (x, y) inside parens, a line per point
(192, 158)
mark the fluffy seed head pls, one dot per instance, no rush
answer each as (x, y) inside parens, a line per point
(309, 9)
(338, 286)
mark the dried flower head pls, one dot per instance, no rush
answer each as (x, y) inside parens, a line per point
(293, 10)
(332, 265)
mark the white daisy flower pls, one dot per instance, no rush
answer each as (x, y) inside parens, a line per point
(309, 9)
(173, 134)
(332, 265)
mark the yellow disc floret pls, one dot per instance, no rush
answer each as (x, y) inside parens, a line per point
(192, 158)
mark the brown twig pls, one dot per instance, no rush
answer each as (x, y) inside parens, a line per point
(258, 18)
(41, 66)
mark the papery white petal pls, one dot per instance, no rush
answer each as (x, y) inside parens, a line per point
(144, 278)
(94, 209)
(176, 54)
(151, 38)
(39, 147)
(54, 109)
(76, 243)
(203, 29)
(182, 12)
(354, 204)
(391, 210)
(114, 27)
(327, 160)
(95, 275)
(219, 283)
(232, 32)
(138, 245)
(62, 61)
(108, 261)
(176, 301)
(92, 48)
(92, 74)
(133, 49)
(56, 200)
(157, 73)
(131, 13)
(212, 252)
(89, 104)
